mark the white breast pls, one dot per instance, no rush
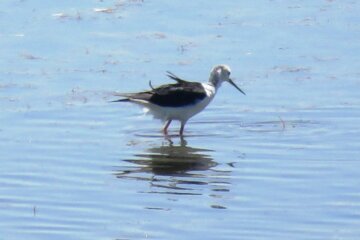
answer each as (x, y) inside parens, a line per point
(210, 89)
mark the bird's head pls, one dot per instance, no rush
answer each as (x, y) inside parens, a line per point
(220, 74)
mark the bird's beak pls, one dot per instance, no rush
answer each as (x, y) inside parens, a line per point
(232, 83)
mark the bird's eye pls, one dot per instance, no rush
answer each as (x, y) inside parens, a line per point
(229, 73)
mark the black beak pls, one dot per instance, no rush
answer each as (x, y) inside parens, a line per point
(232, 83)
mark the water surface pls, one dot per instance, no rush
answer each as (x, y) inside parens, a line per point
(279, 163)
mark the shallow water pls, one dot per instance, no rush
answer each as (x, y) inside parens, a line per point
(281, 162)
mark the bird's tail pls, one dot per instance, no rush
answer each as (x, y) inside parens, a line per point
(125, 97)
(122, 100)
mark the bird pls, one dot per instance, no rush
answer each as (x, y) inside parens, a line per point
(181, 100)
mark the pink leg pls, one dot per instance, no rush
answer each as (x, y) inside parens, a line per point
(182, 128)
(167, 124)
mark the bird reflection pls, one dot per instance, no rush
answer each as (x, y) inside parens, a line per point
(176, 169)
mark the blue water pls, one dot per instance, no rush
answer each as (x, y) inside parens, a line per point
(279, 163)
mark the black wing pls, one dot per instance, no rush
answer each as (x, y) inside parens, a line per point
(182, 93)
(176, 78)
(177, 95)
(170, 95)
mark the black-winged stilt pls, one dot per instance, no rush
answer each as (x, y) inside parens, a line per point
(182, 100)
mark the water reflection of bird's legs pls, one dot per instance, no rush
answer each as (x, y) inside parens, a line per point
(183, 142)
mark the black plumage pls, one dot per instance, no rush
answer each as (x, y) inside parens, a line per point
(182, 93)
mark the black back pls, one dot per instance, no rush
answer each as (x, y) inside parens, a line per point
(180, 94)
(177, 95)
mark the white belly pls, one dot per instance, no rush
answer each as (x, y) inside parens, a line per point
(177, 113)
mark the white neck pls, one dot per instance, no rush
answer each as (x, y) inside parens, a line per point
(215, 80)
(210, 89)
